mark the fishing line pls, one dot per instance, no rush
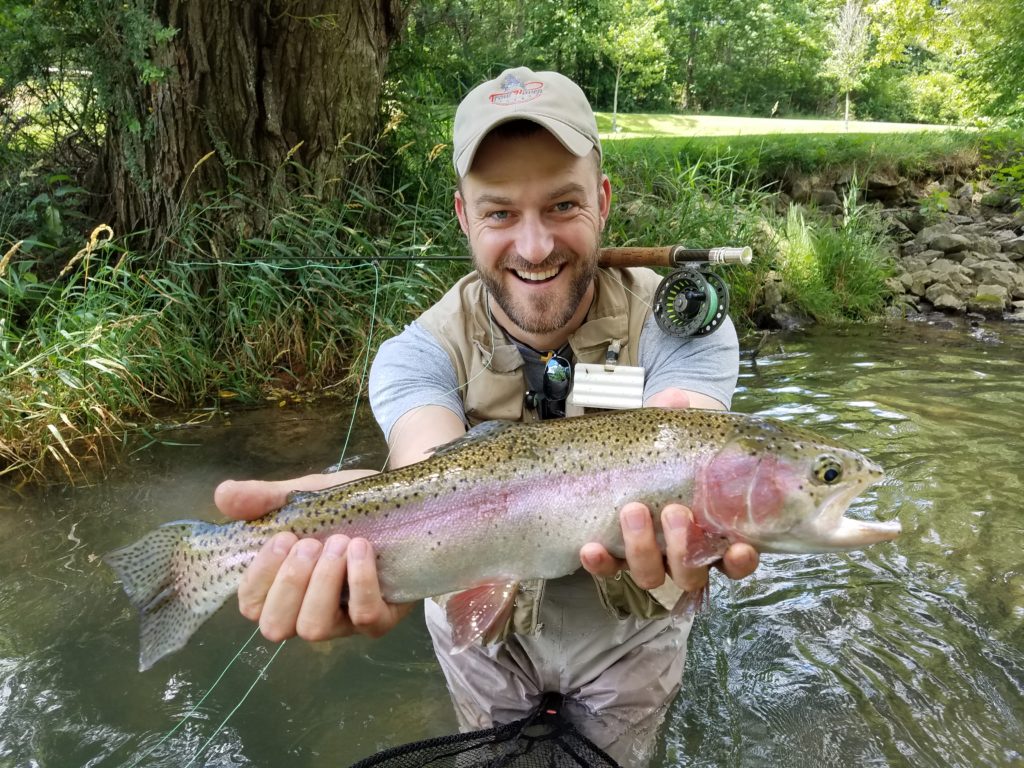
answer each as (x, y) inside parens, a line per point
(632, 293)
(198, 704)
(237, 706)
(366, 362)
(223, 672)
(344, 451)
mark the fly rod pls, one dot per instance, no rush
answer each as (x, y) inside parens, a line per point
(673, 256)
(635, 256)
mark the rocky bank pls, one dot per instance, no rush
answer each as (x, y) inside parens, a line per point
(958, 243)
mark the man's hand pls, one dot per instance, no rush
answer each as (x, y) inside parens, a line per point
(293, 586)
(644, 559)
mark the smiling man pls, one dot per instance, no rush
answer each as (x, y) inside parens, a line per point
(533, 202)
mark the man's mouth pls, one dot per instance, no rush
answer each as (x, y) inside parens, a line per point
(537, 276)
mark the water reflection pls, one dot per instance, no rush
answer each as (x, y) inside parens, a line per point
(910, 653)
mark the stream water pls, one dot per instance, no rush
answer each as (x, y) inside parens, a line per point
(905, 654)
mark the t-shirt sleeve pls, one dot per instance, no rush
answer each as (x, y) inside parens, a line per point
(412, 370)
(706, 364)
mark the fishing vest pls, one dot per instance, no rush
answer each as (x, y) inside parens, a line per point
(493, 385)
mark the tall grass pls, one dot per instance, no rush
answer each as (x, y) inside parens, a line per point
(87, 357)
(835, 273)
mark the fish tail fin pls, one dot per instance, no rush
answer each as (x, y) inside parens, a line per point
(175, 581)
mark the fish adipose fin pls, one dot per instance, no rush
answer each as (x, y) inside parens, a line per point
(173, 585)
(480, 613)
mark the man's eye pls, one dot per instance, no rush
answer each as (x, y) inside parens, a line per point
(498, 215)
(565, 206)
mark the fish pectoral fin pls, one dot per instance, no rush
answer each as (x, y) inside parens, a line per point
(689, 603)
(702, 546)
(480, 612)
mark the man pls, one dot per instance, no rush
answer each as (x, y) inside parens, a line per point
(533, 202)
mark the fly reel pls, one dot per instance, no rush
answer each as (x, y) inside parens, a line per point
(690, 302)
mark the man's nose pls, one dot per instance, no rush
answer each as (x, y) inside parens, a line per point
(534, 241)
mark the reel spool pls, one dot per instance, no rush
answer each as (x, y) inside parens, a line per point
(691, 303)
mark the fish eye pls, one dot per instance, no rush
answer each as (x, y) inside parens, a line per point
(828, 470)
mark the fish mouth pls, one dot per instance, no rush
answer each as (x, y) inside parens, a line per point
(838, 532)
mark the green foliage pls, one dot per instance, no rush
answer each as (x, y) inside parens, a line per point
(635, 44)
(987, 40)
(835, 273)
(848, 38)
(933, 206)
(767, 159)
(927, 61)
(60, 84)
(1002, 156)
(299, 309)
(744, 57)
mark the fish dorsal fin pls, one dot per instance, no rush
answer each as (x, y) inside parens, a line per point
(481, 431)
(480, 612)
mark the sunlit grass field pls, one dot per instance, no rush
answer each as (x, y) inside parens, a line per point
(641, 125)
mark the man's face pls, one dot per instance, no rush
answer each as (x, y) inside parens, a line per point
(533, 213)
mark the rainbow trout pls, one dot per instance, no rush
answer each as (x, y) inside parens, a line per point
(508, 502)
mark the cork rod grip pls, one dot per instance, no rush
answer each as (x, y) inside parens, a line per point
(673, 256)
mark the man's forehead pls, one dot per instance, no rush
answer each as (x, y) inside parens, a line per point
(539, 156)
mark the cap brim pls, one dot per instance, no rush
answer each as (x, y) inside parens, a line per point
(574, 141)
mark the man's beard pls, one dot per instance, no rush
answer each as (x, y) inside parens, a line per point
(548, 313)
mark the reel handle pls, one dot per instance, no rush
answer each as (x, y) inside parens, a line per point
(673, 256)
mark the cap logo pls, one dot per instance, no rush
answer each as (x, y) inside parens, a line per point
(515, 91)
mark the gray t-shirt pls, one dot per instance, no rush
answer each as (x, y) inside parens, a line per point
(413, 369)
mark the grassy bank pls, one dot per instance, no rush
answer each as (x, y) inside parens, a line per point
(88, 355)
(768, 158)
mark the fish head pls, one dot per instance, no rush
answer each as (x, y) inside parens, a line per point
(784, 489)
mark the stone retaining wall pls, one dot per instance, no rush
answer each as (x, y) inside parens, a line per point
(966, 262)
(960, 244)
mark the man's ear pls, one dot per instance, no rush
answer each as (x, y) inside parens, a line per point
(460, 212)
(604, 197)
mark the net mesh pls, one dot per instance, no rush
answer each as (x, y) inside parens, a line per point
(542, 739)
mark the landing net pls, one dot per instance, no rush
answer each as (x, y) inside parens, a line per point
(542, 739)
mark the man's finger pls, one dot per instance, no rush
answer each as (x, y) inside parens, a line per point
(646, 563)
(321, 617)
(739, 561)
(367, 610)
(249, 499)
(260, 575)
(281, 609)
(676, 523)
(598, 561)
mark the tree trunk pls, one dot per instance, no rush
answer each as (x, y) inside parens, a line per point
(249, 87)
(846, 113)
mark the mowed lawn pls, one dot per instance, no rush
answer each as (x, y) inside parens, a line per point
(632, 126)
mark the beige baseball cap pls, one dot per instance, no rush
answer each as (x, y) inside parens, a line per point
(547, 98)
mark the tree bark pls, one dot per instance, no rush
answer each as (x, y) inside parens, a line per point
(257, 97)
